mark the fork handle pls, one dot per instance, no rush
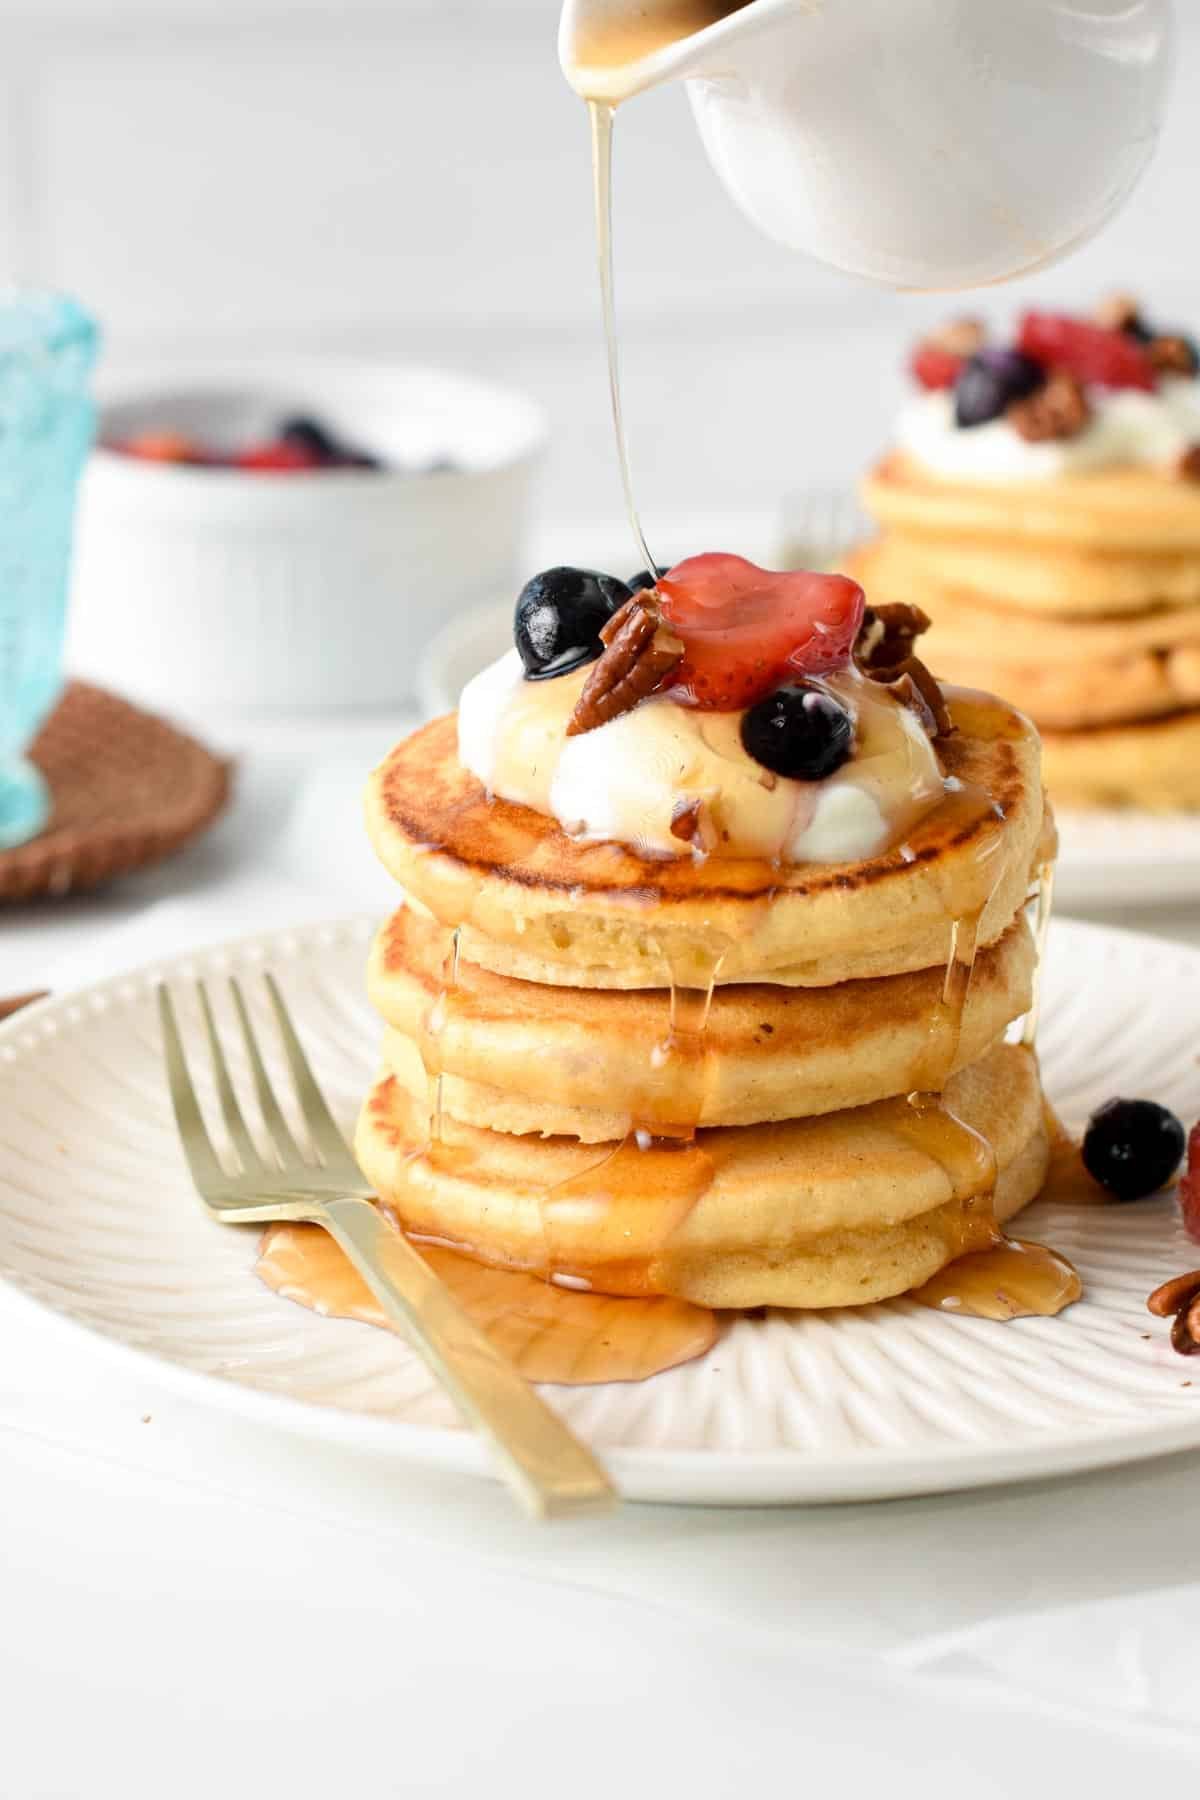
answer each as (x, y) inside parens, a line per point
(545, 1465)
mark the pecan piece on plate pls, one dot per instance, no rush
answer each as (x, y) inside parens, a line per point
(639, 653)
(1188, 464)
(1180, 1297)
(1060, 409)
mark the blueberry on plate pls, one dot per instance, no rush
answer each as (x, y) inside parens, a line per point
(1132, 1147)
(308, 434)
(798, 731)
(560, 615)
(989, 383)
(637, 584)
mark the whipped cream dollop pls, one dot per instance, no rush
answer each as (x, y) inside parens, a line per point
(628, 781)
(1128, 427)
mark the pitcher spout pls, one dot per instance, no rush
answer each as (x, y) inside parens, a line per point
(611, 50)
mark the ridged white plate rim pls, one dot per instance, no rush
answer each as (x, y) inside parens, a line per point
(684, 1476)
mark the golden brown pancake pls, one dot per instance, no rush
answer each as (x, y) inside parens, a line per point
(1109, 510)
(831, 1211)
(1027, 579)
(520, 1057)
(532, 901)
(1153, 764)
(1078, 599)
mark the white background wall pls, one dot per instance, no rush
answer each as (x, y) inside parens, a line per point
(412, 176)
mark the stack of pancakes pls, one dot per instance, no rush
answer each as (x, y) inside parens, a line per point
(1077, 598)
(689, 1076)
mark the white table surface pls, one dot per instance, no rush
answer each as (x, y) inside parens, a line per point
(193, 1605)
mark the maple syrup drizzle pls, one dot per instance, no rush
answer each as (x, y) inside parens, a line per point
(435, 1025)
(1012, 1280)
(602, 117)
(1041, 929)
(1067, 1180)
(630, 1203)
(990, 1275)
(548, 1333)
(944, 1033)
(924, 1117)
(610, 43)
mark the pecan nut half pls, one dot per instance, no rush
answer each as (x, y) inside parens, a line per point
(884, 652)
(1060, 409)
(1188, 465)
(1171, 355)
(1180, 1297)
(640, 652)
(888, 634)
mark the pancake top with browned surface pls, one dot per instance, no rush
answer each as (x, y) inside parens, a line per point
(533, 901)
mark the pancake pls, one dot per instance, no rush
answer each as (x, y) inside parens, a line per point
(1027, 579)
(1108, 510)
(1112, 692)
(607, 1058)
(532, 902)
(1153, 764)
(831, 1211)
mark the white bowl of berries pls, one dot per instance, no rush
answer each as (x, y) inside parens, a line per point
(290, 537)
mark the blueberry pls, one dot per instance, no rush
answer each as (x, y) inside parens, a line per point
(560, 615)
(1132, 1147)
(989, 383)
(308, 434)
(798, 731)
(637, 584)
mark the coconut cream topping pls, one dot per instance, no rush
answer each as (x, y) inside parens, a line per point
(1128, 427)
(635, 779)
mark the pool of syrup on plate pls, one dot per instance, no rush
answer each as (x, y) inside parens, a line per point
(608, 1203)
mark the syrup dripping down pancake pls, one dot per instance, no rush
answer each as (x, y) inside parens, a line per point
(838, 1210)
(516, 1056)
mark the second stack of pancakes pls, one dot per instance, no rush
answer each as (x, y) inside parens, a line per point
(1073, 591)
(691, 1077)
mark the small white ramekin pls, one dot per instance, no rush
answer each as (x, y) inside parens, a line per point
(201, 587)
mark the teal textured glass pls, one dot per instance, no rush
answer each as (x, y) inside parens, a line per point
(47, 422)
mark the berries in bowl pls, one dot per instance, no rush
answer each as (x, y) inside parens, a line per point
(298, 445)
(291, 535)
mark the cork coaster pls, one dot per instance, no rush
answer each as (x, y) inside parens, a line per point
(128, 789)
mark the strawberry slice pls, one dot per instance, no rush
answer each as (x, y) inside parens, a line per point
(1090, 352)
(162, 446)
(934, 367)
(747, 629)
(1189, 1186)
(277, 457)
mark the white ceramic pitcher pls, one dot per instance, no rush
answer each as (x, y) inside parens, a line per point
(922, 143)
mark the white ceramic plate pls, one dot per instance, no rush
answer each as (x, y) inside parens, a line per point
(1106, 859)
(99, 1224)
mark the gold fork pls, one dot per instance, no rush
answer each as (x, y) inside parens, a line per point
(547, 1468)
